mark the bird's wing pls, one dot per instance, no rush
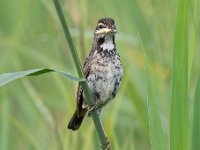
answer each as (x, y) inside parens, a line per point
(79, 99)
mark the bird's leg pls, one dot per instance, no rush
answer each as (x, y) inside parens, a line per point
(97, 104)
(85, 106)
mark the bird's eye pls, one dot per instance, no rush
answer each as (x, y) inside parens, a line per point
(101, 26)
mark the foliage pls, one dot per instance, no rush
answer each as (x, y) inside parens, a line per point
(34, 111)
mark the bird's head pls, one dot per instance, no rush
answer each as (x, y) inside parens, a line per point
(105, 30)
(105, 26)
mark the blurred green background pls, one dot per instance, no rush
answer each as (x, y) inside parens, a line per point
(34, 111)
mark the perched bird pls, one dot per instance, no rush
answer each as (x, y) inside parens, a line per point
(102, 69)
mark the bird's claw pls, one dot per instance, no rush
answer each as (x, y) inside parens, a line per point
(93, 107)
(85, 106)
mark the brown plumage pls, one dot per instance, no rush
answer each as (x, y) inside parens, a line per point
(102, 69)
(80, 112)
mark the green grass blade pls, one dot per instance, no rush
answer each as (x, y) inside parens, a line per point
(9, 77)
(196, 118)
(155, 127)
(179, 114)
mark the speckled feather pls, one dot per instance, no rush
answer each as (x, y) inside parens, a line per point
(103, 71)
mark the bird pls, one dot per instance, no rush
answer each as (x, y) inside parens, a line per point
(102, 70)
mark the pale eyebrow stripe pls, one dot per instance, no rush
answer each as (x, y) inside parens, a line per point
(100, 24)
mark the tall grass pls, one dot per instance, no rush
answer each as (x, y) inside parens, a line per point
(31, 37)
(179, 121)
(157, 138)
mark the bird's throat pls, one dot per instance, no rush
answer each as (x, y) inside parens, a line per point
(108, 43)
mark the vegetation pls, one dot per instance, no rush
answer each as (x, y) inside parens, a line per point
(158, 104)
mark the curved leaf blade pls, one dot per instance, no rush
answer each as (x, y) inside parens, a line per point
(9, 77)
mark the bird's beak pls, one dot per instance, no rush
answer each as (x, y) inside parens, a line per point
(114, 31)
(106, 31)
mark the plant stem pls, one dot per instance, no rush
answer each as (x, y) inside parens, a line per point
(100, 130)
(179, 111)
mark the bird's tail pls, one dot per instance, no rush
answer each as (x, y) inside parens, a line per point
(76, 121)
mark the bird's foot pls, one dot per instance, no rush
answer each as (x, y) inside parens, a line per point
(95, 106)
(85, 106)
